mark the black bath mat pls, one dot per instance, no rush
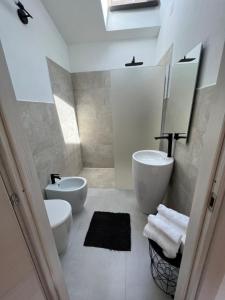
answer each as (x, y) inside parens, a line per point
(109, 230)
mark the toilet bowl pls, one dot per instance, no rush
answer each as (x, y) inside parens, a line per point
(71, 189)
(60, 218)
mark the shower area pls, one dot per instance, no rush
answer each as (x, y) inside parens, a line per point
(118, 112)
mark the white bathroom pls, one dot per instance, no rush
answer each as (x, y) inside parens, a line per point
(112, 149)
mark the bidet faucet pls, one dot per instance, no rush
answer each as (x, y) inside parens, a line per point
(53, 177)
(169, 137)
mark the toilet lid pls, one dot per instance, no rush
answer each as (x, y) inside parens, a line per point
(58, 211)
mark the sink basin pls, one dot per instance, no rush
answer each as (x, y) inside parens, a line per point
(151, 171)
(71, 189)
(152, 157)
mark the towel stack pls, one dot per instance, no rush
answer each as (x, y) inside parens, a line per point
(167, 229)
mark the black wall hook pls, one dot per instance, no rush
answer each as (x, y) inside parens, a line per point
(134, 63)
(23, 14)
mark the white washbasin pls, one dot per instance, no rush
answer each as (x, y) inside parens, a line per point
(71, 189)
(152, 157)
(151, 171)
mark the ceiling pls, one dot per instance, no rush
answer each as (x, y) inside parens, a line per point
(81, 21)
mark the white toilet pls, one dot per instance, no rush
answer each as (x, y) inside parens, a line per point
(60, 218)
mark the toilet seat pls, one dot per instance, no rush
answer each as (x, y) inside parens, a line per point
(60, 218)
(58, 211)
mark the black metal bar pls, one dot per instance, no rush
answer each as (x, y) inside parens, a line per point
(178, 136)
(127, 6)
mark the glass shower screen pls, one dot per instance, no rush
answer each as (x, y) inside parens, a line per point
(136, 98)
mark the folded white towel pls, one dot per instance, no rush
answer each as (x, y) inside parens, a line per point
(168, 228)
(178, 228)
(172, 215)
(182, 243)
(170, 248)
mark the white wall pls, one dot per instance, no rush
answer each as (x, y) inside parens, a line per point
(111, 55)
(186, 23)
(26, 48)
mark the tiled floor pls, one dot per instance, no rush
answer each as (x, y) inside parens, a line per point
(99, 177)
(101, 274)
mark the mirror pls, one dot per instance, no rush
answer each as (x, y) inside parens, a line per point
(181, 94)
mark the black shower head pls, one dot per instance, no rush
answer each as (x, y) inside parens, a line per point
(134, 63)
(186, 59)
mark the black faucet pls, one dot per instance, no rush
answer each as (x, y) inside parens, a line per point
(169, 137)
(53, 177)
(178, 136)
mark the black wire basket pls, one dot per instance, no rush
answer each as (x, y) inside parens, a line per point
(164, 270)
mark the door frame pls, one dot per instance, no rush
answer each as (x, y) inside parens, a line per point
(22, 183)
(13, 224)
(213, 230)
(19, 168)
(210, 221)
(202, 220)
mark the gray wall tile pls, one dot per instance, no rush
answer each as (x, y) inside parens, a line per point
(91, 80)
(94, 113)
(187, 156)
(46, 131)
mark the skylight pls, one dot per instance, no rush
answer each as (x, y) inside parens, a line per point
(131, 4)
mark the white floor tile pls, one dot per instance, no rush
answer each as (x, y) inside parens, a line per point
(101, 274)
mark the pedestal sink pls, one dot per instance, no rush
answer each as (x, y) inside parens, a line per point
(151, 171)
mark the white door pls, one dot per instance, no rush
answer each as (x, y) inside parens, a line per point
(18, 277)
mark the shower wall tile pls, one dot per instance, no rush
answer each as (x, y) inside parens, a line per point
(94, 114)
(53, 137)
(97, 156)
(188, 156)
(91, 80)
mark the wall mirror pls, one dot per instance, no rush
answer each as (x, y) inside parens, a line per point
(181, 92)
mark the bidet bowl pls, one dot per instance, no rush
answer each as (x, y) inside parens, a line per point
(71, 189)
(151, 171)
